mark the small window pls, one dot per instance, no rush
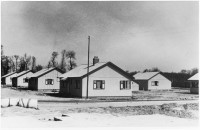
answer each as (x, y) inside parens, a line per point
(154, 83)
(125, 84)
(99, 84)
(77, 84)
(58, 79)
(49, 81)
(25, 80)
(195, 84)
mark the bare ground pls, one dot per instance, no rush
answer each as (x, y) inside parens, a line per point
(169, 114)
(174, 94)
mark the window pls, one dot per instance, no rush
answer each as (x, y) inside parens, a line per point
(49, 82)
(195, 84)
(125, 84)
(99, 84)
(77, 84)
(154, 83)
(25, 80)
(58, 79)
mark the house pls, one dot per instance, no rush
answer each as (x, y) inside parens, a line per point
(105, 80)
(6, 79)
(21, 79)
(194, 84)
(152, 81)
(45, 79)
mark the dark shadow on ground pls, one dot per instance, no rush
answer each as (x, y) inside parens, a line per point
(60, 95)
(185, 93)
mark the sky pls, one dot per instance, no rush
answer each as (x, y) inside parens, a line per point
(133, 35)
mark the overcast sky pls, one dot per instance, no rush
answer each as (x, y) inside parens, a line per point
(133, 35)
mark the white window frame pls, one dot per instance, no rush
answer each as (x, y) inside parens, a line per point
(154, 83)
(95, 84)
(125, 85)
(46, 82)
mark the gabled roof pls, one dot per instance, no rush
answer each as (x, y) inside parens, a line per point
(45, 71)
(145, 75)
(9, 74)
(194, 77)
(21, 73)
(81, 71)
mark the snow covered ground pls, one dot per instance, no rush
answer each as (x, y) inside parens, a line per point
(98, 120)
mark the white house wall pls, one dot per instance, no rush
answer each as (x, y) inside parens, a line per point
(112, 84)
(51, 75)
(8, 81)
(20, 80)
(164, 83)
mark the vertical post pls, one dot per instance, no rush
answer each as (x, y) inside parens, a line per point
(88, 66)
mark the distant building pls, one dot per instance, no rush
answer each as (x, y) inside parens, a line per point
(45, 79)
(6, 79)
(21, 79)
(194, 83)
(105, 80)
(152, 81)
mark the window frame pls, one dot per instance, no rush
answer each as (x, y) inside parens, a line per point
(126, 84)
(154, 83)
(95, 85)
(24, 80)
(46, 82)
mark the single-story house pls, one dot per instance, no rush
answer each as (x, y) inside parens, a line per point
(6, 79)
(152, 81)
(194, 83)
(45, 79)
(21, 79)
(105, 80)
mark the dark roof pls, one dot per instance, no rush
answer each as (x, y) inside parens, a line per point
(8, 74)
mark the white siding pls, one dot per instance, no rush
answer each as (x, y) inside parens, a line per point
(51, 75)
(112, 84)
(164, 83)
(20, 80)
(8, 81)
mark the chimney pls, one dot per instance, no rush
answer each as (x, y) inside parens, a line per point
(95, 60)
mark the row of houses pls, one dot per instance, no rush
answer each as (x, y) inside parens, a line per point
(105, 79)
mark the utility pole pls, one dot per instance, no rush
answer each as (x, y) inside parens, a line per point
(88, 66)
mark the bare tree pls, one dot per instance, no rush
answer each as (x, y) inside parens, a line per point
(12, 64)
(16, 61)
(27, 60)
(2, 53)
(155, 69)
(33, 66)
(71, 65)
(38, 68)
(63, 63)
(49, 64)
(194, 71)
(71, 56)
(52, 62)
